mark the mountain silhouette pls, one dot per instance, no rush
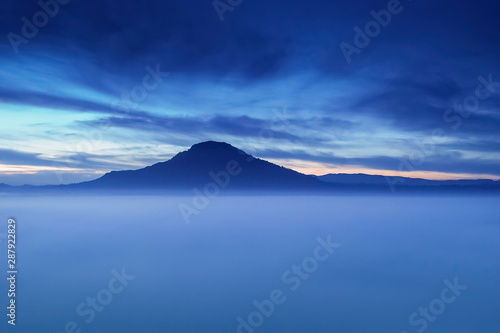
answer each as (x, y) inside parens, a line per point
(212, 166)
(219, 164)
(209, 162)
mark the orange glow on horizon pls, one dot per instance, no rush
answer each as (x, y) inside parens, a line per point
(10, 169)
(306, 167)
(319, 169)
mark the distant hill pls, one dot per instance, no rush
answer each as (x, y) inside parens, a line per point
(402, 181)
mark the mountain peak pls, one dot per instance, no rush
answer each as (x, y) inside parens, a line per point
(212, 145)
(210, 152)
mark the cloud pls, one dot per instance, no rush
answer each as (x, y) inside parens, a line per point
(450, 162)
(218, 125)
(49, 177)
(421, 104)
(10, 156)
(44, 100)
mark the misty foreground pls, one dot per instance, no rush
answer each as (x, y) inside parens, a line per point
(304, 264)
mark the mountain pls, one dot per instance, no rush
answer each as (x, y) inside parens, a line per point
(208, 163)
(211, 166)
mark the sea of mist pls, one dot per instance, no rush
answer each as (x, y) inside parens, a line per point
(393, 256)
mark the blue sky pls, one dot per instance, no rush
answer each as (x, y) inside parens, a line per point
(106, 85)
